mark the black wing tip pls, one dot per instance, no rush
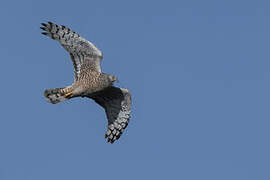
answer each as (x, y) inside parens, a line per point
(43, 24)
(46, 24)
(110, 140)
(49, 23)
(43, 28)
(44, 33)
(114, 137)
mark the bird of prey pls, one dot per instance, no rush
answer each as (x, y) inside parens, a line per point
(89, 80)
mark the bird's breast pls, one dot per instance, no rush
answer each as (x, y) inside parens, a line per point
(91, 82)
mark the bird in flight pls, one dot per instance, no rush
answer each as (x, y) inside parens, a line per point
(89, 80)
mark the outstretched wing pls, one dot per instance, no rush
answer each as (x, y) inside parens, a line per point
(117, 105)
(81, 51)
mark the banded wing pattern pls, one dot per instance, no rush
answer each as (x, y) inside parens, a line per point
(80, 50)
(89, 80)
(117, 105)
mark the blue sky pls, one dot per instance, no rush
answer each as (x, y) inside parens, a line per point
(200, 81)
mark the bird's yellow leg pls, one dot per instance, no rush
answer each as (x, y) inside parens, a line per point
(69, 95)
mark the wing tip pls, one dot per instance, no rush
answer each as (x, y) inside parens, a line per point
(43, 28)
(43, 24)
(115, 131)
(45, 33)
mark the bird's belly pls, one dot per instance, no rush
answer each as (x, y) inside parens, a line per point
(90, 83)
(94, 87)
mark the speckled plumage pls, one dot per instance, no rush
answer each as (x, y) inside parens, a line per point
(89, 81)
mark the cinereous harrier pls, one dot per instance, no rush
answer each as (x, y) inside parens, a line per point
(89, 80)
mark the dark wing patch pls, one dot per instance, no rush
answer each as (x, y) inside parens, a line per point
(117, 105)
(80, 49)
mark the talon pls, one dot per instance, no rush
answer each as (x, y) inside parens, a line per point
(68, 95)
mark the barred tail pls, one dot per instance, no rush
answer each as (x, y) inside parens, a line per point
(58, 94)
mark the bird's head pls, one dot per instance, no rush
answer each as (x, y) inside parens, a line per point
(113, 78)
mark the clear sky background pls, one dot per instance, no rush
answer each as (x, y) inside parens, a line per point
(199, 73)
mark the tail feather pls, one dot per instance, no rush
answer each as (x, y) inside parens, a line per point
(57, 95)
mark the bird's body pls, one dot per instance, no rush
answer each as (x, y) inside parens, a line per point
(90, 81)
